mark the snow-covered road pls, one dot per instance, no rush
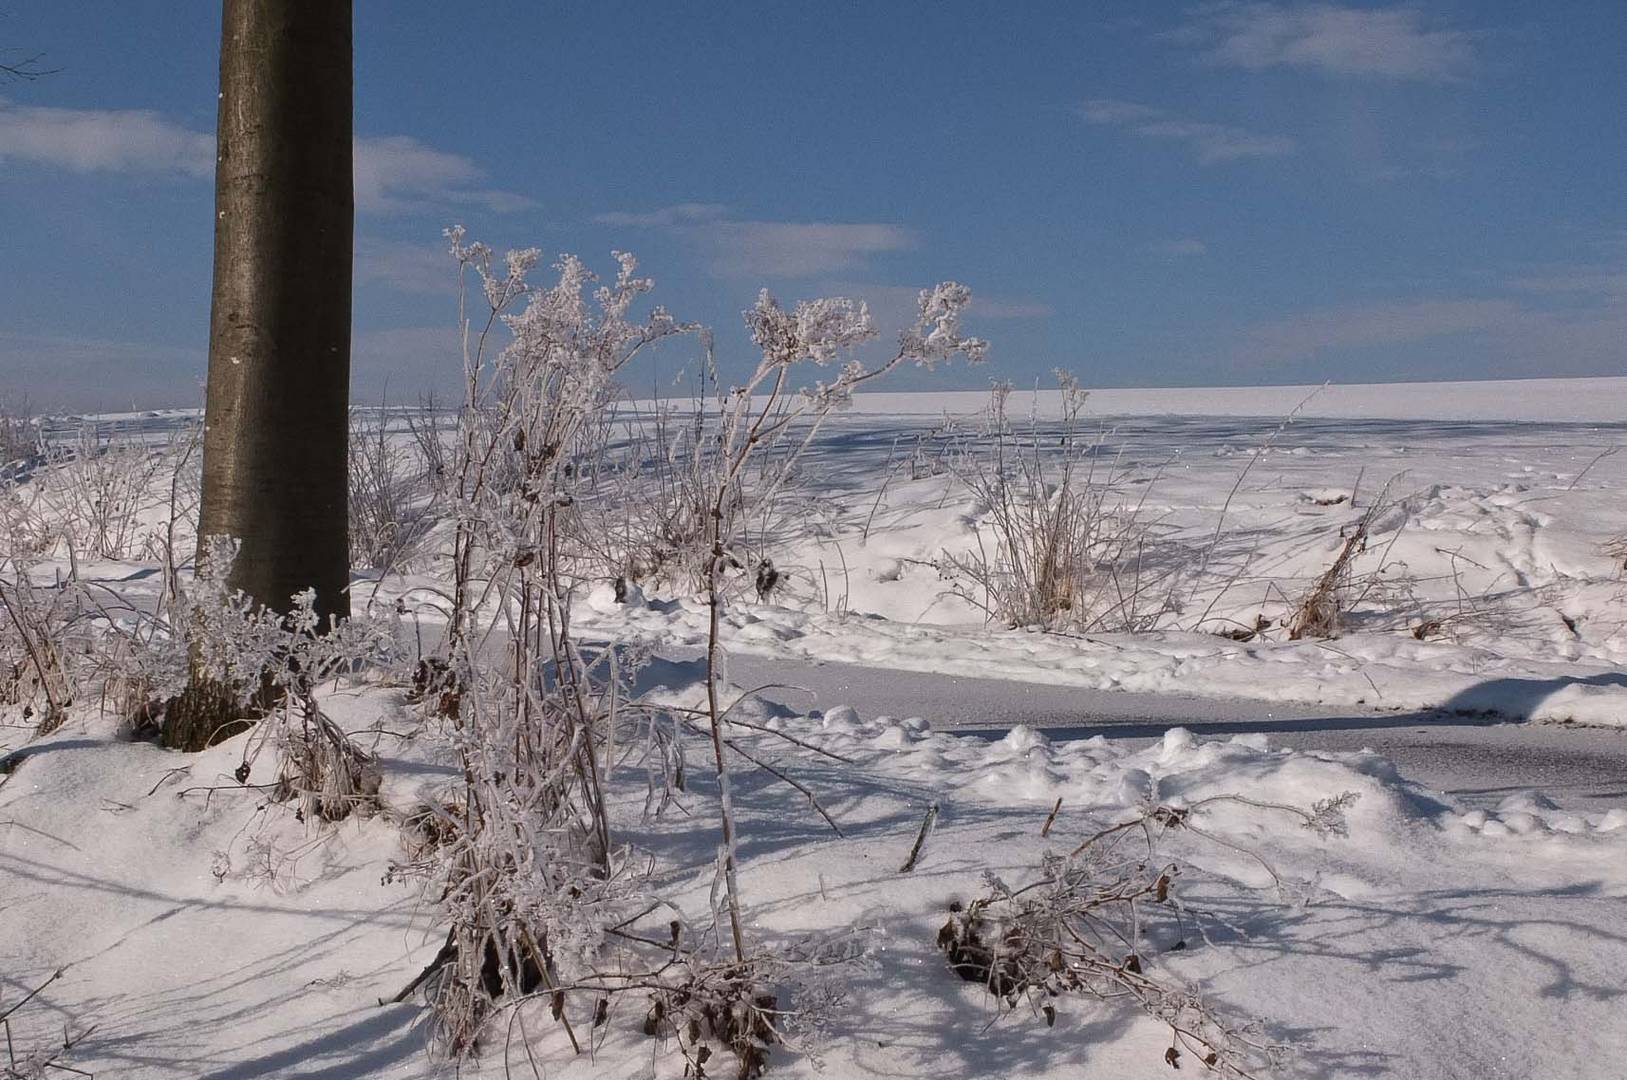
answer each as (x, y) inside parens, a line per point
(1480, 761)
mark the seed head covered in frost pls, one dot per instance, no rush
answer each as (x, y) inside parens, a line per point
(817, 330)
(936, 336)
(499, 291)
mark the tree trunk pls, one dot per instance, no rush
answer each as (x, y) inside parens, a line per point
(276, 428)
(275, 420)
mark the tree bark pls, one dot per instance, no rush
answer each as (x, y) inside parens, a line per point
(275, 418)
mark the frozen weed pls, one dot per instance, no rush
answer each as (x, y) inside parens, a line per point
(392, 491)
(1063, 543)
(550, 489)
(1094, 922)
(47, 1059)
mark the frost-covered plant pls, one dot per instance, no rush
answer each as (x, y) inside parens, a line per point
(231, 638)
(999, 396)
(517, 863)
(527, 871)
(1063, 542)
(96, 489)
(525, 863)
(706, 1006)
(214, 657)
(392, 489)
(426, 425)
(25, 530)
(47, 1058)
(19, 433)
(1095, 920)
(1074, 396)
(529, 426)
(46, 651)
(1323, 608)
(645, 510)
(766, 406)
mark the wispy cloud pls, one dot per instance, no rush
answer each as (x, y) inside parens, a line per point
(1188, 247)
(1397, 322)
(103, 140)
(393, 172)
(1605, 281)
(793, 249)
(1527, 335)
(768, 249)
(1392, 43)
(405, 267)
(1210, 143)
(397, 172)
(897, 306)
(1575, 283)
(986, 306)
(667, 216)
(91, 374)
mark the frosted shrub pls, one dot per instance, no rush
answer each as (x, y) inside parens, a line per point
(95, 491)
(59, 640)
(221, 657)
(25, 531)
(1062, 542)
(523, 855)
(999, 396)
(527, 866)
(1096, 920)
(47, 650)
(392, 493)
(646, 512)
(1322, 611)
(766, 406)
(1074, 396)
(429, 438)
(19, 435)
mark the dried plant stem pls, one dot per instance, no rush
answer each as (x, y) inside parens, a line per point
(927, 822)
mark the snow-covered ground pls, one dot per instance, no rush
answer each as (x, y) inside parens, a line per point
(203, 932)
(1489, 588)
(207, 934)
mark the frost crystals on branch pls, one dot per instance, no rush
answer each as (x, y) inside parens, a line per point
(522, 855)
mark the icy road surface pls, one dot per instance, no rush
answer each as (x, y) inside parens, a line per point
(1479, 760)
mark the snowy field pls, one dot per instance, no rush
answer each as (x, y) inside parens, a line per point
(1492, 538)
(1340, 917)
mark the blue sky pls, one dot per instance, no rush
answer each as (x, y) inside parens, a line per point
(1150, 194)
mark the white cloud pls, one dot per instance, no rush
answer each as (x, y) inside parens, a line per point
(1007, 307)
(98, 140)
(397, 172)
(90, 374)
(1394, 43)
(791, 250)
(406, 267)
(1108, 111)
(667, 216)
(393, 172)
(1185, 248)
(1209, 143)
(1359, 325)
(769, 249)
(896, 306)
(1597, 282)
(1473, 337)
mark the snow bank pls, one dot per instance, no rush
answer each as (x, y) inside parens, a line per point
(205, 933)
